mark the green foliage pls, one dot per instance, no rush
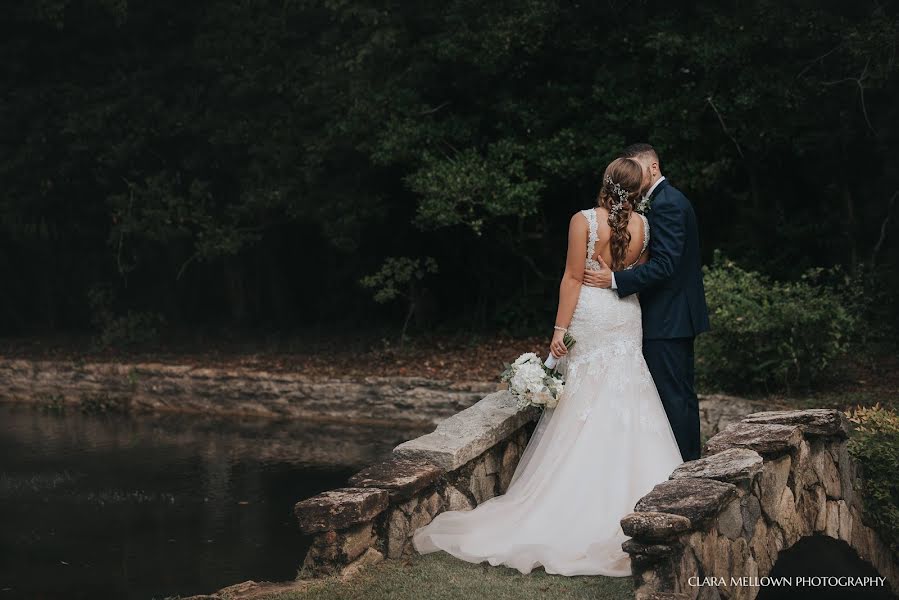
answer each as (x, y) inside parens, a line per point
(400, 277)
(470, 190)
(875, 447)
(210, 157)
(132, 328)
(521, 316)
(397, 277)
(768, 333)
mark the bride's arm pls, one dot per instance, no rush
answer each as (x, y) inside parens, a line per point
(570, 287)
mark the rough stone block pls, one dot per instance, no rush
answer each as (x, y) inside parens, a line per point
(751, 510)
(398, 533)
(511, 455)
(491, 464)
(820, 508)
(771, 484)
(846, 466)
(656, 550)
(807, 507)
(786, 516)
(733, 465)
(401, 477)
(357, 540)
(846, 524)
(804, 475)
(827, 472)
(469, 433)
(812, 421)
(767, 440)
(370, 557)
(832, 526)
(697, 499)
(730, 520)
(481, 483)
(456, 500)
(759, 546)
(340, 508)
(654, 526)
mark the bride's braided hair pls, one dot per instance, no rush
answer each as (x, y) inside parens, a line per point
(621, 186)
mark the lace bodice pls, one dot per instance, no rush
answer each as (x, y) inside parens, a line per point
(593, 237)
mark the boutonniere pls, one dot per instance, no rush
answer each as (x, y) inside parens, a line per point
(644, 206)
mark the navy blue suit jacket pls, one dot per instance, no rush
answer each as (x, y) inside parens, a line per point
(672, 296)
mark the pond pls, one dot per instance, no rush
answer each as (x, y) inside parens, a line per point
(149, 506)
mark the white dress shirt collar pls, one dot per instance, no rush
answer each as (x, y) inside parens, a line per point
(654, 186)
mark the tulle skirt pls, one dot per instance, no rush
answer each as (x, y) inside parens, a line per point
(589, 460)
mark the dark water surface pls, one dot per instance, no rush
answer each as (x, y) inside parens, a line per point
(152, 506)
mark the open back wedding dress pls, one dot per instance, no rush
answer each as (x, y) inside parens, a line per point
(588, 461)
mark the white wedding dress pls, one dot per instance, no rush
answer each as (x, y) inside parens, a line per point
(588, 461)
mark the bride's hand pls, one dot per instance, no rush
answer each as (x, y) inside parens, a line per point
(557, 346)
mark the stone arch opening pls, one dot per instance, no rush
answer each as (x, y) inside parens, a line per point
(820, 556)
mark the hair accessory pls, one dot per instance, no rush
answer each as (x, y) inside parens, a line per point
(620, 191)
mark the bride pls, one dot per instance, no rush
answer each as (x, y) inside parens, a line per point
(606, 443)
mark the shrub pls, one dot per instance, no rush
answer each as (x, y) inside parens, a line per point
(768, 333)
(133, 328)
(400, 278)
(875, 447)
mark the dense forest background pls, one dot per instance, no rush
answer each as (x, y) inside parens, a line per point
(234, 165)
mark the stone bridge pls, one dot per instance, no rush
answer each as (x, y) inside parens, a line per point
(765, 483)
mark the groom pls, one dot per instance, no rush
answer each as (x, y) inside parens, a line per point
(672, 297)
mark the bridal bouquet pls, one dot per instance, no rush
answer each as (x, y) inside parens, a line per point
(535, 383)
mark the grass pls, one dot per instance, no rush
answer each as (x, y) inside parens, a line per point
(440, 576)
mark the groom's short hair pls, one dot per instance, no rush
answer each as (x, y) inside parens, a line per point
(635, 150)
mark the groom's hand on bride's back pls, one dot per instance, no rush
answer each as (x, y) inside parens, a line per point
(601, 278)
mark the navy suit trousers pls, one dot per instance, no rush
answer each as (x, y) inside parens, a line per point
(670, 362)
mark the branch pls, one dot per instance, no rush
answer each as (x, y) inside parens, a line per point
(883, 229)
(819, 59)
(724, 127)
(533, 265)
(184, 266)
(430, 111)
(118, 256)
(858, 81)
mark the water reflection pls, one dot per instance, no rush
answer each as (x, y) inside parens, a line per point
(149, 506)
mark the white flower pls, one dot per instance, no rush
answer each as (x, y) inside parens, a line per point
(526, 357)
(530, 383)
(528, 377)
(544, 397)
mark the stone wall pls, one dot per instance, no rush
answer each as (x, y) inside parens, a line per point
(235, 391)
(467, 459)
(156, 387)
(764, 483)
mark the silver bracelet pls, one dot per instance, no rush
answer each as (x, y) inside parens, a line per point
(562, 329)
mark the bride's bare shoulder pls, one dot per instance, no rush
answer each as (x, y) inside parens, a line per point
(578, 226)
(579, 219)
